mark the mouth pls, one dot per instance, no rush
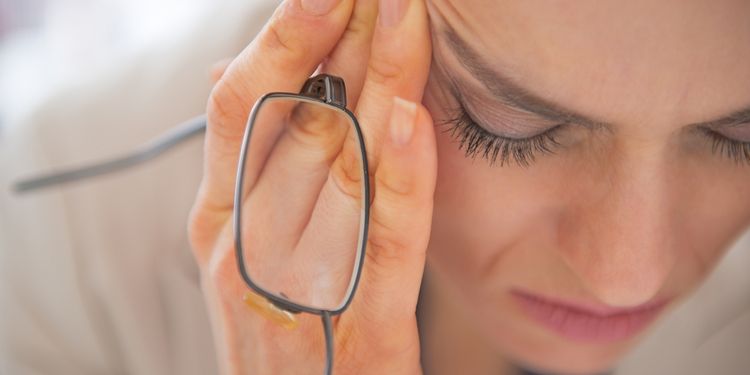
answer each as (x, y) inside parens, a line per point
(588, 322)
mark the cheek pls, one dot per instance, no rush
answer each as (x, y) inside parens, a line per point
(715, 211)
(482, 213)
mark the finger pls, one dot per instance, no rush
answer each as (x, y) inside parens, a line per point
(218, 68)
(283, 197)
(349, 59)
(398, 66)
(315, 217)
(298, 36)
(400, 224)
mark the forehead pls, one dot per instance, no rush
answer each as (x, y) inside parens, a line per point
(639, 61)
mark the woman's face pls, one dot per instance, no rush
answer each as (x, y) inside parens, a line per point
(623, 178)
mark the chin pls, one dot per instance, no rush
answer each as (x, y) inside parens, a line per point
(563, 360)
(592, 366)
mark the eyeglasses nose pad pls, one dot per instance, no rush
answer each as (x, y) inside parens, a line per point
(270, 311)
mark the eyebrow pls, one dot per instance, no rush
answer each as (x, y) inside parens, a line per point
(515, 95)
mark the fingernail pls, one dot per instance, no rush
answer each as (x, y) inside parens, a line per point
(319, 7)
(390, 12)
(403, 115)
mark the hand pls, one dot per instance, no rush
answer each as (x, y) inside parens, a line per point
(379, 60)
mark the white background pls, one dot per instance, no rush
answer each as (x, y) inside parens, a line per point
(47, 44)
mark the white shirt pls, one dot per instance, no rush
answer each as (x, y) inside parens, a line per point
(98, 277)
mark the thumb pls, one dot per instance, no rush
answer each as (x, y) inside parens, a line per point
(400, 219)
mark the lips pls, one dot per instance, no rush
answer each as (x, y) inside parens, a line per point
(588, 322)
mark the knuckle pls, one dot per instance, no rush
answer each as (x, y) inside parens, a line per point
(313, 126)
(280, 38)
(360, 26)
(198, 235)
(222, 271)
(307, 134)
(194, 224)
(387, 243)
(205, 226)
(347, 174)
(226, 111)
(383, 254)
(382, 71)
(394, 185)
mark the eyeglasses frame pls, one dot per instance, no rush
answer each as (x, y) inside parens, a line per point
(327, 90)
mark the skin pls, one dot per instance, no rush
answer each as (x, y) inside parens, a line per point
(636, 211)
(378, 332)
(632, 210)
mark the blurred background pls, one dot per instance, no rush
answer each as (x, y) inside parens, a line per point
(46, 44)
(97, 277)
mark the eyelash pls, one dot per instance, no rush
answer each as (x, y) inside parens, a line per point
(475, 141)
(731, 149)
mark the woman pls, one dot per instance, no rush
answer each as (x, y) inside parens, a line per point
(616, 145)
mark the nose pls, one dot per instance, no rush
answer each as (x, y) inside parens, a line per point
(620, 236)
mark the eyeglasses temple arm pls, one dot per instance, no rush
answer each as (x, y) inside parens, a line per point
(186, 130)
(328, 330)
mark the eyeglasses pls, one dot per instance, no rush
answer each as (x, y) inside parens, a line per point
(301, 204)
(301, 201)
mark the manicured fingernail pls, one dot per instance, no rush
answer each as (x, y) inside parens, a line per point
(403, 115)
(319, 7)
(390, 12)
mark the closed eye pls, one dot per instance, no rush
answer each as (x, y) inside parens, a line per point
(476, 141)
(731, 149)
